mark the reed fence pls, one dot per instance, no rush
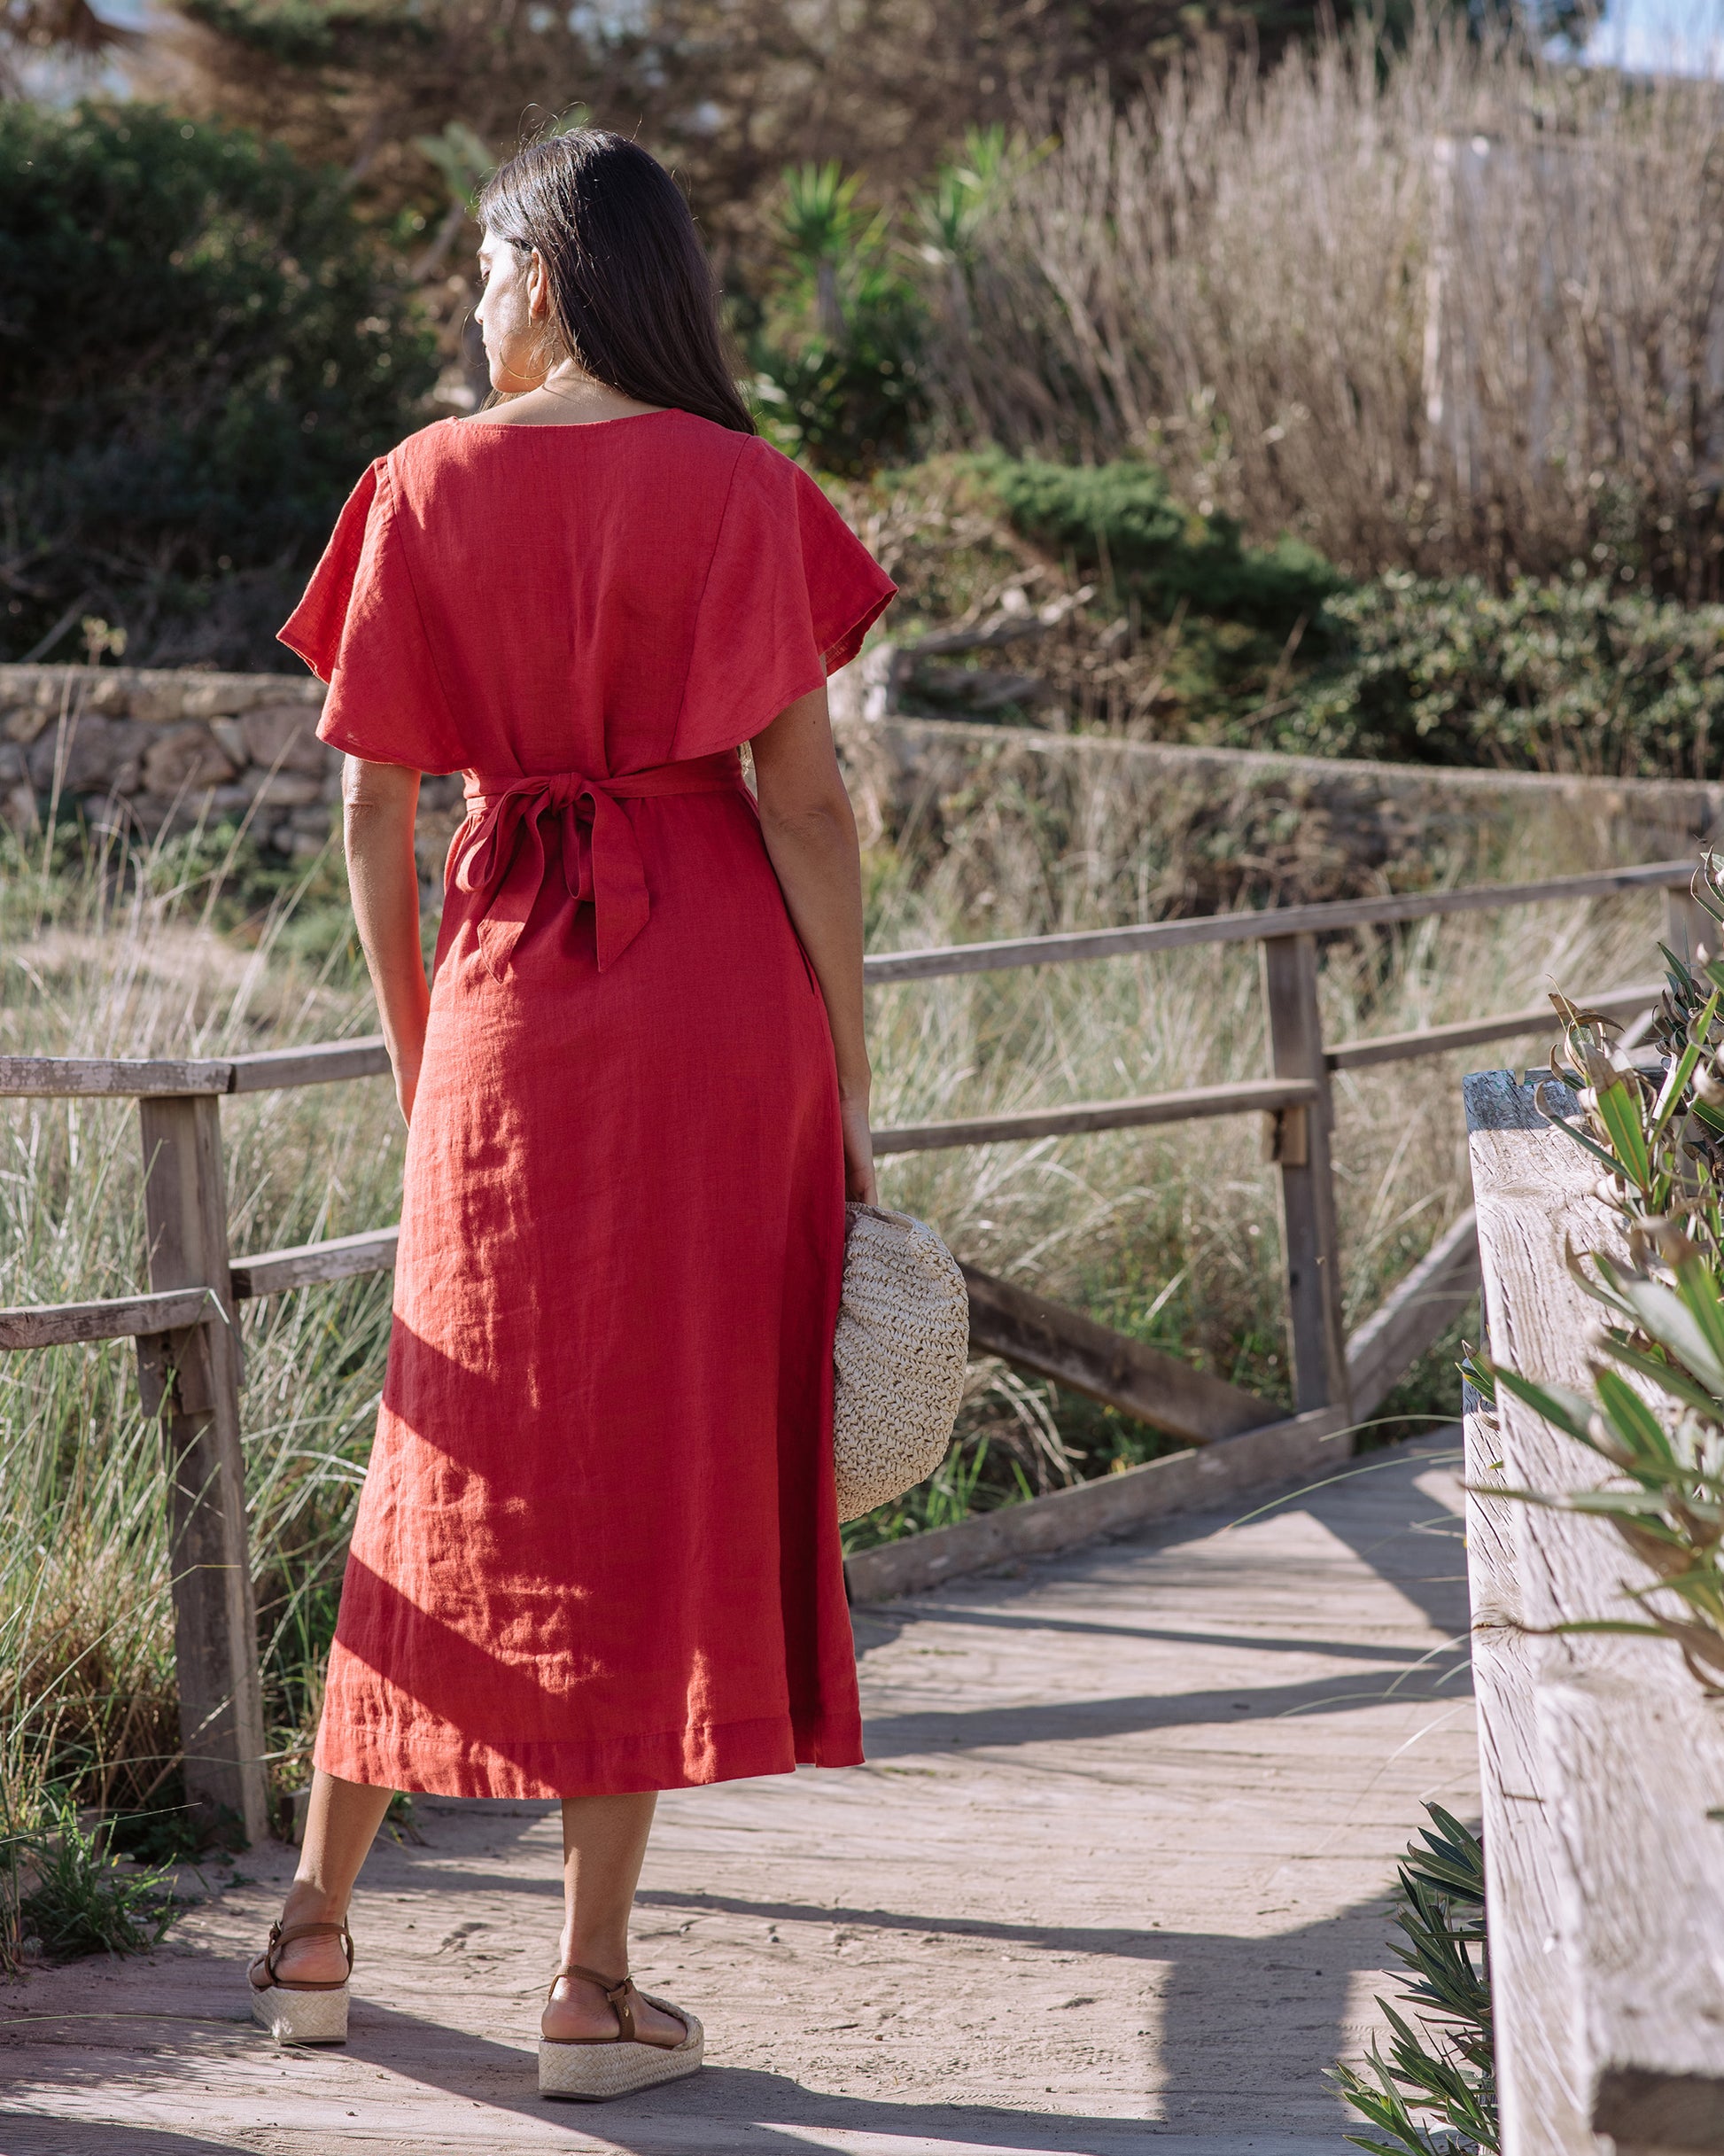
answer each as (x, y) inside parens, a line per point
(189, 1346)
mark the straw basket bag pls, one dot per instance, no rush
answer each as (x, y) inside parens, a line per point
(898, 1359)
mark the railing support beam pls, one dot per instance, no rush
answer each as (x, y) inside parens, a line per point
(192, 1377)
(1308, 1235)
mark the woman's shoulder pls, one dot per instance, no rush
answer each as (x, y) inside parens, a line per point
(478, 447)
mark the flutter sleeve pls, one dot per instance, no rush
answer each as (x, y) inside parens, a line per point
(790, 594)
(359, 628)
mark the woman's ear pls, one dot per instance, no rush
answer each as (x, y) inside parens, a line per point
(539, 288)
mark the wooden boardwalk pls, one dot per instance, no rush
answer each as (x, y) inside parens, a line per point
(1113, 1880)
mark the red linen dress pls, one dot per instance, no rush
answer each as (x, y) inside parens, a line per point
(597, 1548)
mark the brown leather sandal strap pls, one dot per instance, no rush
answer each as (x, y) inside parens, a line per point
(619, 1995)
(281, 1935)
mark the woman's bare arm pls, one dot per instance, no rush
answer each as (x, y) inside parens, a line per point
(379, 802)
(811, 839)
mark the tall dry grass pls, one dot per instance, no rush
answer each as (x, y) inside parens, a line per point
(1448, 306)
(1170, 1234)
(98, 962)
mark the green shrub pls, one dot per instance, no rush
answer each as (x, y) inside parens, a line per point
(1573, 674)
(1120, 520)
(834, 351)
(202, 348)
(1272, 648)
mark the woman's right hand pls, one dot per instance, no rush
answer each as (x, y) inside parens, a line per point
(860, 1184)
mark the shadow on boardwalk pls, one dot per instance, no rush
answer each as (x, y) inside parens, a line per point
(1114, 1879)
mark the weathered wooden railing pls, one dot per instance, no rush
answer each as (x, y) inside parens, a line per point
(187, 1340)
(1601, 1761)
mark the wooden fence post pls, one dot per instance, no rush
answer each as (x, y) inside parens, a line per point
(192, 1377)
(1308, 1191)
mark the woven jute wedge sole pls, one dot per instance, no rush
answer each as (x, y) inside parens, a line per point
(301, 2016)
(589, 2072)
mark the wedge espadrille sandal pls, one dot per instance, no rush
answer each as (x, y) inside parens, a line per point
(302, 2012)
(587, 2069)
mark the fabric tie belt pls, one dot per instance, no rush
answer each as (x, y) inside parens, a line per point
(504, 862)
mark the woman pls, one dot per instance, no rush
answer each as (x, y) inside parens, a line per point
(597, 1553)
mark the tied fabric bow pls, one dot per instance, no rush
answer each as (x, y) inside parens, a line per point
(504, 862)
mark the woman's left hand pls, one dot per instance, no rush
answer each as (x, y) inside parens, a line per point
(859, 1184)
(406, 1088)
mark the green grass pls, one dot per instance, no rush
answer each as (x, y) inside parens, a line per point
(69, 1898)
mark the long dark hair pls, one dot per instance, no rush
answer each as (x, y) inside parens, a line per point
(633, 301)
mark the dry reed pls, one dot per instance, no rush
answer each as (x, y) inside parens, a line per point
(1447, 306)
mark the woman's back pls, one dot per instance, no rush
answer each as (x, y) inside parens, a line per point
(597, 598)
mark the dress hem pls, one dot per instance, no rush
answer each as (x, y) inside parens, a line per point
(729, 1752)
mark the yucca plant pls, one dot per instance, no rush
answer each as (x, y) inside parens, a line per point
(1656, 1413)
(1442, 2071)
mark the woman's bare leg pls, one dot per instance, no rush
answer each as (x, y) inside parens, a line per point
(342, 1820)
(604, 1841)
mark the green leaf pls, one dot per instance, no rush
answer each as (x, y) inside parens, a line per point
(1568, 1411)
(1671, 1320)
(1668, 1377)
(1682, 1070)
(1697, 1285)
(1637, 1505)
(1633, 1421)
(1619, 1111)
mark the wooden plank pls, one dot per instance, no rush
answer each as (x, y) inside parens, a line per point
(135, 1316)
(1112, 1505)
(1629, 1753)
(127, 1077)
(340, 1258)
(321, 1066)
(1635, 1766)
(215, 1646)
(1524, 1179)
(1253, 926)
(1538, 2072)
(114, 1078)
(1413, 1316)
(1240, 1099)
(1053, 1341)
(48, 1325)
(1473, 1032)
(1309, 1237)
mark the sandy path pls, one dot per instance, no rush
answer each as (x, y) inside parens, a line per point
(1113, 1880)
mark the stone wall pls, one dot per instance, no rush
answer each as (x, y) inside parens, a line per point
(158, 751)
(149, 751)
(1244, 828)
